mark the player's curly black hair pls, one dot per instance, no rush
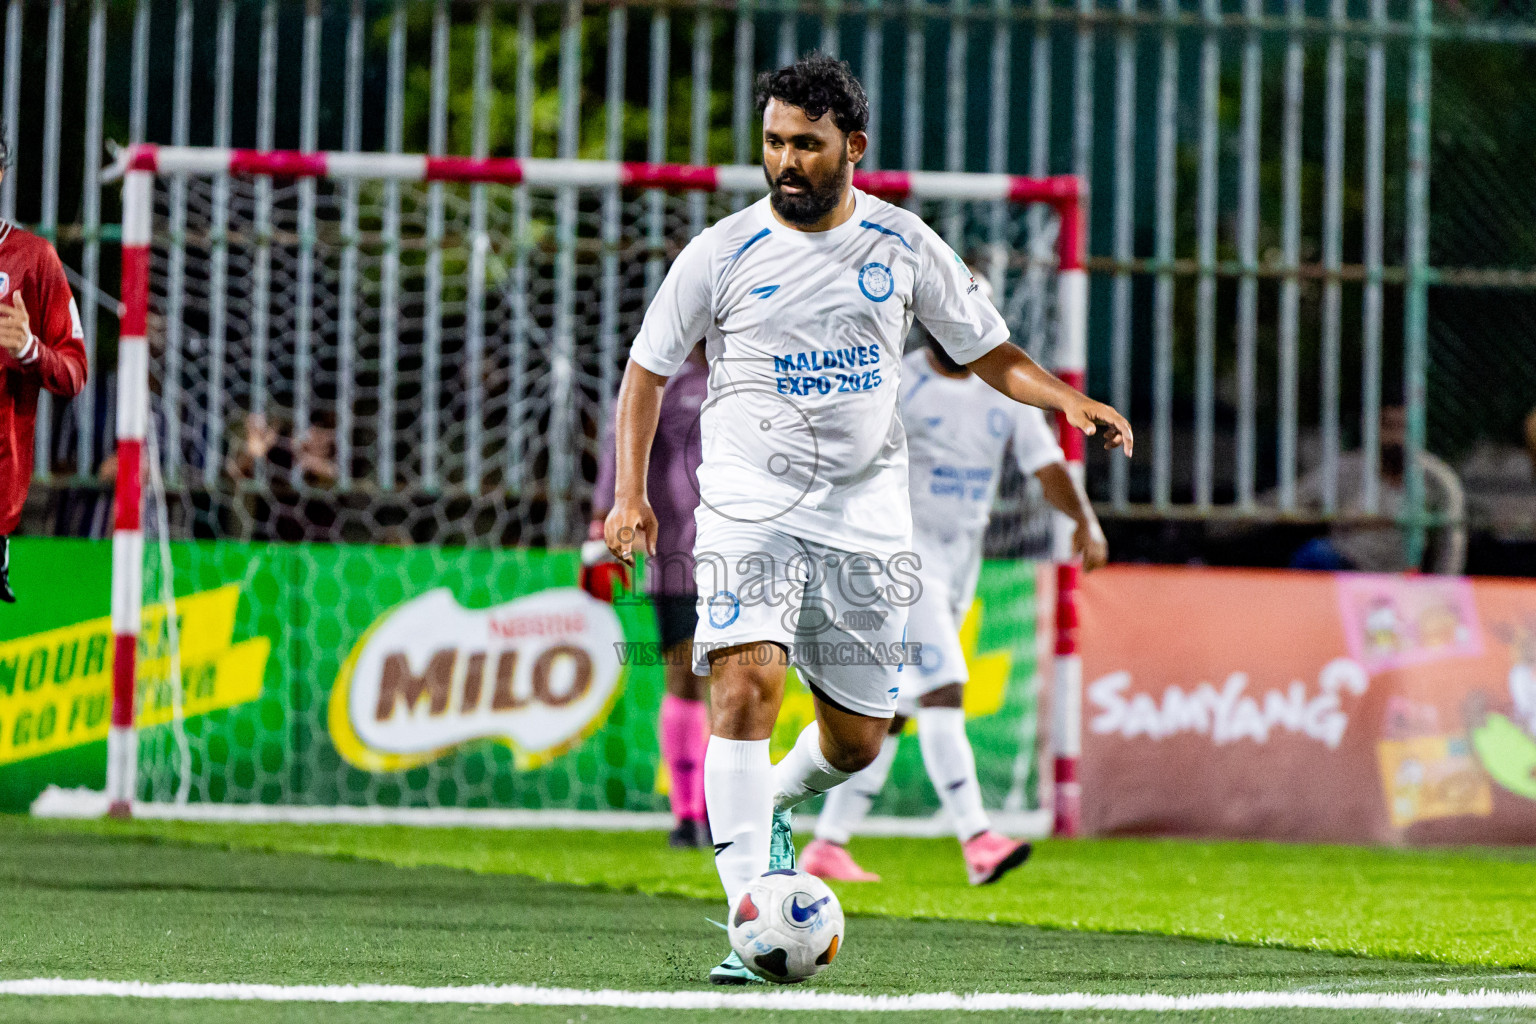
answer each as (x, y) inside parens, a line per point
(817, 83)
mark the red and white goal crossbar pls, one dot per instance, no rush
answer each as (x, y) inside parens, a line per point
(141, 164)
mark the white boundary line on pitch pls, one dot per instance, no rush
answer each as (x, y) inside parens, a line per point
(533, 995)
(55, 802)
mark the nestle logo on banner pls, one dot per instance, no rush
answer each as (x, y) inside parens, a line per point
(539, 673)
(1231, 713)
(537, 625)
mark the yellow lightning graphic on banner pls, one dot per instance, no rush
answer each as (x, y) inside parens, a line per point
(56, 686)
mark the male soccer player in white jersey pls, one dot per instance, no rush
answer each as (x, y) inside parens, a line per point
(957, 432)
(803, 300)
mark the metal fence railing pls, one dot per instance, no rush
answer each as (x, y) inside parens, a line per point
(1271, 264)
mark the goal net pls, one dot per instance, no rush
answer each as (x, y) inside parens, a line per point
(368, 394)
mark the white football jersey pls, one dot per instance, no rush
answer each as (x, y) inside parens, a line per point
(957, 431)
(804, 332)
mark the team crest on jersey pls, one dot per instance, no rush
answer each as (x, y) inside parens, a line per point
(5, 284)
(876, 281)
(724, 607)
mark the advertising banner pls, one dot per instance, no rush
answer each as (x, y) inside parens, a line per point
(410, 676)
(1309, 706)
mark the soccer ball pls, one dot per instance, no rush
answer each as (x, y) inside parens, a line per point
(786, 926)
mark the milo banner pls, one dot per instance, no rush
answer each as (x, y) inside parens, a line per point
(1309, 706)
(539, 673)
(397, 676)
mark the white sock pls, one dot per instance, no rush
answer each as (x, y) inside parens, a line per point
(804, 772)
(952, 768)
(848, 806)
(738, 794)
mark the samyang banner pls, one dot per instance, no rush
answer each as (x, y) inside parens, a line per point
(1309, 706)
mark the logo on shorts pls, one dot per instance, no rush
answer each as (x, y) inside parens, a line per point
(724, 607)
(876, 281)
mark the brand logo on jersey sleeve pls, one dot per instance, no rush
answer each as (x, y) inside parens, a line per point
(876, 281)
(969, 276)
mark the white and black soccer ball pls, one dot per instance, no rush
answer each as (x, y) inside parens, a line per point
(786, 926)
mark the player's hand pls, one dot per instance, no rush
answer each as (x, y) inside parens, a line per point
(630, 523)
(601, 574)
(1088, 541)
(1096, 418)
(15, 326)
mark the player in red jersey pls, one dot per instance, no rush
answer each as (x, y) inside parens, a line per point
(41, 346)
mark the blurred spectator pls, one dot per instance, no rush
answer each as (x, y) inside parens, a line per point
(316, 453)
(264, 452)
(1381, 547)
(259, 452)
(292, 501)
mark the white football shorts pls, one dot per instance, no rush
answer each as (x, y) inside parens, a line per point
(948, 576)
(842, 616)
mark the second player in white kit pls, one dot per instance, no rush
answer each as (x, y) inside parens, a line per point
(804, 300)
(958, 431)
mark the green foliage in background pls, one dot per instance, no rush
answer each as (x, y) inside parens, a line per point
(593, 109)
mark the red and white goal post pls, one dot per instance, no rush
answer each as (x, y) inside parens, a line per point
(142, 164)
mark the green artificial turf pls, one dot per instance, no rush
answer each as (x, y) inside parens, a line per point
(105, 1011)
(115, 901)
(1470, 907)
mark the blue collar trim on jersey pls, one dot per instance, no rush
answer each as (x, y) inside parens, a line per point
(885, 231)
(752, 241)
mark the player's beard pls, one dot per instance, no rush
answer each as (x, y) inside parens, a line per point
(818, 199)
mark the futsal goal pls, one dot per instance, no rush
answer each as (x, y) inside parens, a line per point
(360, 397)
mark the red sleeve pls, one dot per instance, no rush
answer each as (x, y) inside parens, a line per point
(60, 355)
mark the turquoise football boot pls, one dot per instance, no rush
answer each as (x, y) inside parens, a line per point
(732, 971)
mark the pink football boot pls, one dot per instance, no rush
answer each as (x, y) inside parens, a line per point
(989, 856)
(832, 862)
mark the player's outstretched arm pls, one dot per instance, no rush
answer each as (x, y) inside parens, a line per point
(1065, 494)
(635, 418)
(1008, 369)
